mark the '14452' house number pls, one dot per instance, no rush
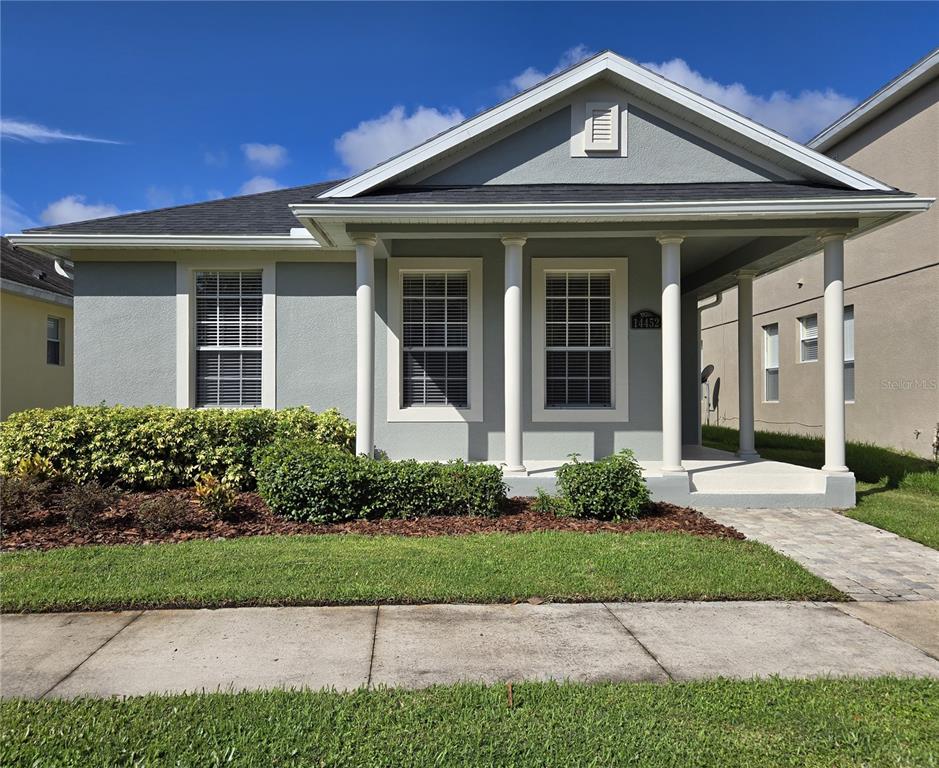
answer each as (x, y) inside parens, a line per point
(646, 319)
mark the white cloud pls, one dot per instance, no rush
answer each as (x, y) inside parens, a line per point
(798, 116)
(74, 208)
(214, 194)
(259, 184)
(533, 76)
(217, 159)
(20, 130)
(265, 157)
(373, 141)
(12, 217)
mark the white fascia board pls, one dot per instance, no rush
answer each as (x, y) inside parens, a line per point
(925, 69)
(391, 212)
(161, 241)
(555, 86)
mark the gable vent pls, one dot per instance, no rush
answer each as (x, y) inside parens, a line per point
(602, 128)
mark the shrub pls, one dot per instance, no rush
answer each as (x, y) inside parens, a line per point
(609, 489)
(217, 497)
(159, 447)
(20, 496)
(310, 482)
(84, 504)
(164, 514)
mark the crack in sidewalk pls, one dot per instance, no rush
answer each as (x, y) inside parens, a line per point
(639, 642)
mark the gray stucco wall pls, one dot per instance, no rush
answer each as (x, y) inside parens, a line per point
(658, 151)
(316, 354)
(125, 333)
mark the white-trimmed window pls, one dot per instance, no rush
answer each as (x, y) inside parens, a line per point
(55, 327)
(435, 340)
(808, 339)
(228, 338)
(771, 363)
(579, 335)
(849, 353)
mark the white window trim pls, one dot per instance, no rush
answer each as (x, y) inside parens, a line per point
(434, 413)
(61, 340)
(766, 366)
(611, 107)
(186, 326)
(620, 318)
(853, 344)
(803, 338)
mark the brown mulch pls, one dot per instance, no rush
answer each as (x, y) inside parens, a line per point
(48, 529)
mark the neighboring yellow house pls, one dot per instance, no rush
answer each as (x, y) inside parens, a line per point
(35, 332)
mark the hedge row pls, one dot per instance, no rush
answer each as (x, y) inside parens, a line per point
(320, 484)
(160, 447)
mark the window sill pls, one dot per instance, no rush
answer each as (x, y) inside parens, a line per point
(582, 415)
(434, 414)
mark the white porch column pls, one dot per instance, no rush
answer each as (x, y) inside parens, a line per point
(833, 352)
(512, 329)
(365, 343)
(671, 352)
(746, 448)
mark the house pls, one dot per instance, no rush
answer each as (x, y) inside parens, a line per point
(35, 331)
(891, 287)
(519, 288)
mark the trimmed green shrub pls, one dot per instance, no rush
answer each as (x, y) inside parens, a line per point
(159, 447)
(609, 489)
(319, 484)
(84, 504)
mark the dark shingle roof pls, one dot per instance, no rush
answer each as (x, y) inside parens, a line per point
(265, 213)
(602, 193)
(31, 269)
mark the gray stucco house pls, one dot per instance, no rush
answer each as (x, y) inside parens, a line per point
(518, 288)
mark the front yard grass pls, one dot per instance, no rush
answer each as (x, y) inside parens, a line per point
(354, 569)
(895, 491)
(717, 723)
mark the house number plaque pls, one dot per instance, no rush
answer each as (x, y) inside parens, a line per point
(646, 319)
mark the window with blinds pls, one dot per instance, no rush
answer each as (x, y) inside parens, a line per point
(578, 340)
(771, 363)
(228, 338)
(435, 343)
(808, 338)
(849, 354)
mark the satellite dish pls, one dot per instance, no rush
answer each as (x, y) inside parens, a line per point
(716, 397)
(706, 373)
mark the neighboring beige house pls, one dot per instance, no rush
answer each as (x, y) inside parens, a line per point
(891, 293)
(35, 332)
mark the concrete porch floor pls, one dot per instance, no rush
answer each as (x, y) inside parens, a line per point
(718, 479)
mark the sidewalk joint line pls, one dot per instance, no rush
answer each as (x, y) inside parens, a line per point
(639, 642)
(74, 669)
(371, 659)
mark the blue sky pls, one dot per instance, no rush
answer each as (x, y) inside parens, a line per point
(215, 99)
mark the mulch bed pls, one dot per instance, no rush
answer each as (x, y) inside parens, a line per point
(119, 525)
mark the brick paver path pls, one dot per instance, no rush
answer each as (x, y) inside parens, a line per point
(864, 562)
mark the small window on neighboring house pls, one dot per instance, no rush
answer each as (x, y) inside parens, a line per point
(771, 363)
(578, 340)
(228, 338)
(849, 354)
(54, 327)
(602, 127)
(435, 323)
(808, 339)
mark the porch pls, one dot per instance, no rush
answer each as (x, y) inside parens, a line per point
(718, 479)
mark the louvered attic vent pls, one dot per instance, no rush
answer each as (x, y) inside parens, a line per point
(602, 129)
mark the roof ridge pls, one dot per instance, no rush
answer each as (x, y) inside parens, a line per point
(326, 184)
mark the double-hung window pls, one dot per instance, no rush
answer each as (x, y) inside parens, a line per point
(578, 339)
(54, 327)
(849, 353)
(771, 363)
(228, 338)
(808, 339)
(435, 315)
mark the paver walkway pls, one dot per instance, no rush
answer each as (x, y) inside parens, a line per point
(864, 562)
(138, 652)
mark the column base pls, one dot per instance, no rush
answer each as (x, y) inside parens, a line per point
(835, 469)
(520, 471)
(678, 469)
(747, 455)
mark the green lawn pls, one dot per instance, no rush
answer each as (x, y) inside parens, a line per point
(337, 569)
(896, 491)
(816, 723)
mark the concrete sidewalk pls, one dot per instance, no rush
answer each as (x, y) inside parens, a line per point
(138, 652)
